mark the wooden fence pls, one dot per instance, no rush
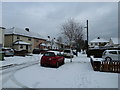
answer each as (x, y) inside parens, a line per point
(104, 66)
(113, 66)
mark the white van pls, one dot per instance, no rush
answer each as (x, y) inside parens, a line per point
(109, 55)
(68, 53)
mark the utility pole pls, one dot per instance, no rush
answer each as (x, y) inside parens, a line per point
(87, 35)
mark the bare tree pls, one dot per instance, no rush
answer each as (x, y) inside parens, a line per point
(59, 39)
(73, 32)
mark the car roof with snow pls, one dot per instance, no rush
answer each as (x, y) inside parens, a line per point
(56, 52)
(112, 50)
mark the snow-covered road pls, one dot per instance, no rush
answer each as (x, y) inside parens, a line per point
(76, 74)
(8, 74)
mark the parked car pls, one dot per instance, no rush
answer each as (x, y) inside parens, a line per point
(60, 54)
(8, 51)
(68, 53)
(21, 52)
(50, 58)
(43, 51)
(36, 51)
(111, 55)
(97, 53)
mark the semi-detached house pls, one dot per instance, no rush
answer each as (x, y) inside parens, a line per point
(98, 42)
(1, 37)
(22, 39)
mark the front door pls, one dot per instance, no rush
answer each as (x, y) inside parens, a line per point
(27, 47)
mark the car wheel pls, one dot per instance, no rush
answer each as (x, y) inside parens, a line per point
(108, 59)
(42, 64)
(63, 61)
(57, 64)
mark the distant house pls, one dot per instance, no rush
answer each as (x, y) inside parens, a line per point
(98, 42)
(22, 39)
(2, 37)
(114, 42)
(52, 44)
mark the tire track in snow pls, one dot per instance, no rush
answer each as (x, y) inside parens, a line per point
(16, 82)
(11, 76)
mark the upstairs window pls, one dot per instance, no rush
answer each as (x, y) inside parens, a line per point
(29, 39)
(37, 40)
(18, 37)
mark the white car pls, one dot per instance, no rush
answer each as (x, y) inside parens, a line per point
(8, 51)
(109, 55)
(68, 53)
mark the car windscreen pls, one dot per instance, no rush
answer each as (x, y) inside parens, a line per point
(6, 49)
(49, 54)
(67, 51)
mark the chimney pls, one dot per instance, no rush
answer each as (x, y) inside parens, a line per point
(27, 29)
(98, 38)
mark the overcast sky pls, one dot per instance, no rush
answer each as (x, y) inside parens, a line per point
(46, 18)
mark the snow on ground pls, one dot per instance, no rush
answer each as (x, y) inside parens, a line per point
(76, 74)
(19, 59)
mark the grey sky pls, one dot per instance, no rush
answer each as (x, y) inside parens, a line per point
(46, 18)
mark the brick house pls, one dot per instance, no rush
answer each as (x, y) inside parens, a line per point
(22, 39)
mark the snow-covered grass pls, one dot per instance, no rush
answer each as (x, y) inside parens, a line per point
(19, 59)
(75, 74)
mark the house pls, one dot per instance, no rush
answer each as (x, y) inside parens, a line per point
(38, 40)
(2, 37)
(114, 42)
(98, 42)
(21, 39)
(52, 44)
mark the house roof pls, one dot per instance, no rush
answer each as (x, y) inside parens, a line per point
(43, 44)
(99, 40)
(115, 40)
(18, 31)
(22, 43)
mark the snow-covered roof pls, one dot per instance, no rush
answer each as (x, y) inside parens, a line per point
(115, 40)
(48, 44)
(42, 44)
(22, 43)
(99, 40)
(23, 32)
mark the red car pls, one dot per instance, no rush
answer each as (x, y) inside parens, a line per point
(51, 58)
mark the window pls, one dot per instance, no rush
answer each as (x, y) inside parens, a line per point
(113, 52)
(96, 43)
(21, 46)
(37, 40)
(118, 52)
(104, 52)
(49, 54)
(91, 44)
(29, 39)
(67, 51)
(18, 37)
(30, 48)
